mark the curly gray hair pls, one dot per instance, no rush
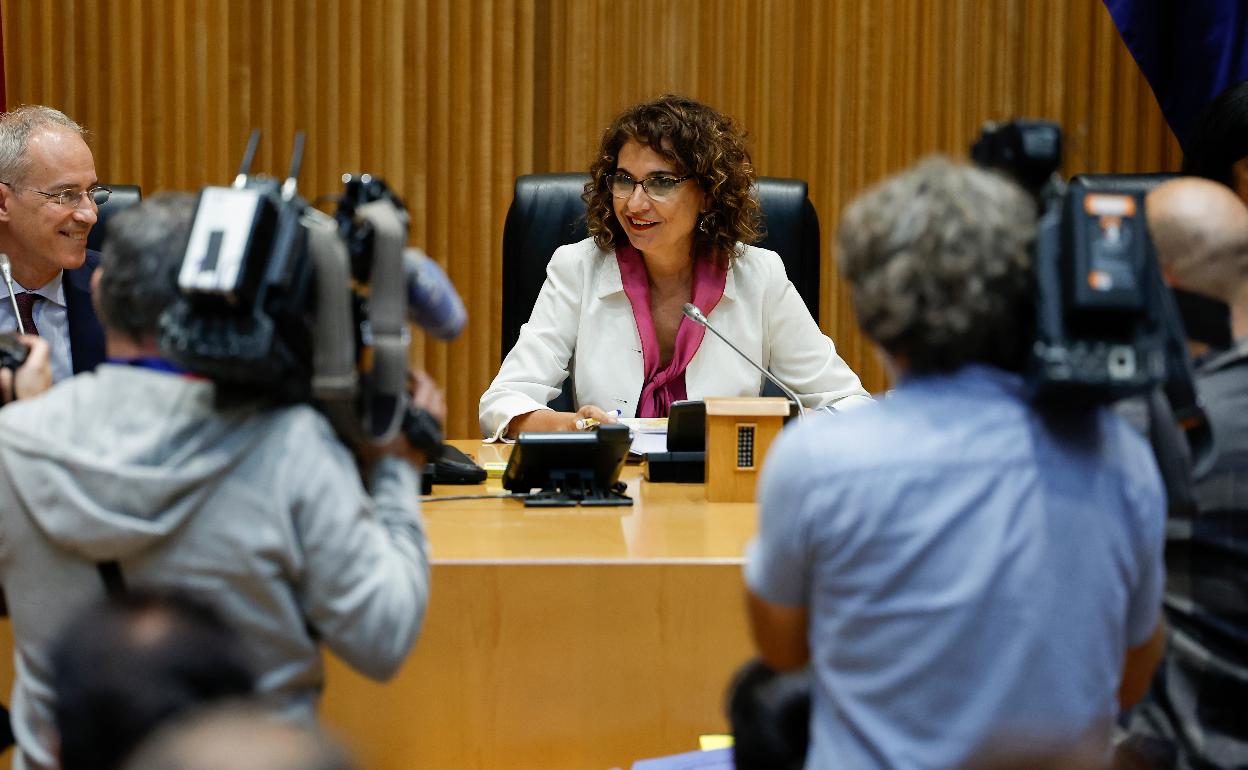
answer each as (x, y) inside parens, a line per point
(16, 127)
(939, 264)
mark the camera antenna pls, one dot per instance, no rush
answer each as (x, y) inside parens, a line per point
(296, 160)
(249, 155)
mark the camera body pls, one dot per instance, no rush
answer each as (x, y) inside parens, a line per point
(1105, 323)
(1101, 306)
(1030, 151)
(13, 352)
(282, 300)
(245, 316)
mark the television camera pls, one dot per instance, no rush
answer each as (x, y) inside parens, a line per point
(281, 299)
(1106, 325)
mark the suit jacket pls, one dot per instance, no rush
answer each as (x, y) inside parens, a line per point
(86, 335)
(583, 323)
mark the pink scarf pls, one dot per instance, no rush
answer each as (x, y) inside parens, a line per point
(662, 387)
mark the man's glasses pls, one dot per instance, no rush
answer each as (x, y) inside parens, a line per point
(660, 188)
(71, 199)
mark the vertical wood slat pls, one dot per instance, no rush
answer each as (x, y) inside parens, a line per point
(451, 100)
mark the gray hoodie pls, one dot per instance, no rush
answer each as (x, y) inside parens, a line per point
(259, 512)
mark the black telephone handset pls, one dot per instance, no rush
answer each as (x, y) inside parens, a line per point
(686, 427)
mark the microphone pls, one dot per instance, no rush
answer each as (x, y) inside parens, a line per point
(694, 314)
(432, 300)
(6, 269)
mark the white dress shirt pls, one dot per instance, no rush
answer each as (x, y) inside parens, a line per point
(51, 317)
(583, 322)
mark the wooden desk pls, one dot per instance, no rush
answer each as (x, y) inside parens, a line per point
(561, 638)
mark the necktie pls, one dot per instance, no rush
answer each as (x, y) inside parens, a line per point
(26, 309)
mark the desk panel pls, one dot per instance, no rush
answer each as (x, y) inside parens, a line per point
(667, 522)
(562, 637)
(556, 665)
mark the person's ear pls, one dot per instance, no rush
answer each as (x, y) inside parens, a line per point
(1239, 178)
(7, 199)
(96, 276)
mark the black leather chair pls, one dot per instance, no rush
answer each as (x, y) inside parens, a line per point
(123, 197)
(547, 212)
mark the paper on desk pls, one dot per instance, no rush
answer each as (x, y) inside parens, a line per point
(717, 759)
(649, 434)
(645, 424)
(645, 443)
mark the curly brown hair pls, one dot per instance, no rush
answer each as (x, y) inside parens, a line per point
(700, 141)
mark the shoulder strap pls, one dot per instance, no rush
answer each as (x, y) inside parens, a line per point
(1236, 354)
(114, 581)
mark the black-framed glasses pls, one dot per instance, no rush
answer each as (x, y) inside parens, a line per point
(659, 187)
(71, 199)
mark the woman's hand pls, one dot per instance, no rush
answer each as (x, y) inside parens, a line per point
(548, 420)
(591, 412)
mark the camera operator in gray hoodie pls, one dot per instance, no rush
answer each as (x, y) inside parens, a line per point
(139, 475)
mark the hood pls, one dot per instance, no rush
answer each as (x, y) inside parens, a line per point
(108, 463)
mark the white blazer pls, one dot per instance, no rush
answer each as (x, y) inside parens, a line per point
(582, 322)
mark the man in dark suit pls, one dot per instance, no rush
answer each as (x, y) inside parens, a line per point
(49, 201)
(1194, 713)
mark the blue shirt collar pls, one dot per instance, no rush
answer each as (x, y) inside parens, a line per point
(53, 291)
(972, 378)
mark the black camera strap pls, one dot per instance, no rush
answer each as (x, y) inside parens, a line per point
(114, 581)
(1173, 454)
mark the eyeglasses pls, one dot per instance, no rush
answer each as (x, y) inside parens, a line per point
(71, 199)
(660, 188)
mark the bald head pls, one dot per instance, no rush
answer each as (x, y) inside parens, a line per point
(1200, 231)
(238, 737)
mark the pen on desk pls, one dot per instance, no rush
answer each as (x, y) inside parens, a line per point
(585, 423)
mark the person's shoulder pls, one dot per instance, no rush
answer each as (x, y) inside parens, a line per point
(755, 259)
(52, 404)
(582, 252)
(301, 419)
(1126, 442)
(1224, 377)
(1127, 453)
(580, 264)
(760, 268)
(856, 439)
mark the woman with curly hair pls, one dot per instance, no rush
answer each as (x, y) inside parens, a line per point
(671, 212)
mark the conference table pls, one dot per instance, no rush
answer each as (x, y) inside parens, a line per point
(561, 637)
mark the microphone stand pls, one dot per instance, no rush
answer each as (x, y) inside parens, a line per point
(6, 269)
(694, 314)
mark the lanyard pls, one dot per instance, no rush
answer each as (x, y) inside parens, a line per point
(155, 363)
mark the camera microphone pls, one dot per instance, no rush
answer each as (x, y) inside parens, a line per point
(432, 301)
(693, 313)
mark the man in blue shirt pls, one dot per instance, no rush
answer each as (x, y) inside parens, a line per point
(963, 571)
(49, 199)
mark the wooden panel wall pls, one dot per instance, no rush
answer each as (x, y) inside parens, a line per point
(451, 99)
